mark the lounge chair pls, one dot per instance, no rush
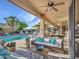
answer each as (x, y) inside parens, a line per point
(11, 46)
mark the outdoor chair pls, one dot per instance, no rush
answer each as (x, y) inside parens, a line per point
(11, 46)
(3, 50)
(6, 54)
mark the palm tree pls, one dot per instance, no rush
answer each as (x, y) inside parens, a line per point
(11, 21)
(14, 22)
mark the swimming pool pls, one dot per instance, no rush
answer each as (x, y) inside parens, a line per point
(14, 38)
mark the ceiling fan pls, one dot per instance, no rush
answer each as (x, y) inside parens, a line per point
(51, 5)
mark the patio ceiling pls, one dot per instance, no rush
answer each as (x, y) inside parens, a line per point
(35, 7)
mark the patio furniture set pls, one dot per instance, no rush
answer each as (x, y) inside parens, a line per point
(54, 44)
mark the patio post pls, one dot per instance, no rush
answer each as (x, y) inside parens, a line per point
(71, 29)
(42, 27)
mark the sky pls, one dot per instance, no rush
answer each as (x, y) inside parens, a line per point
(9, 9)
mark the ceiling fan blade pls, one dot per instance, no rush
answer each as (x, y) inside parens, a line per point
(46, 10)
(57, 4)
(54, 9)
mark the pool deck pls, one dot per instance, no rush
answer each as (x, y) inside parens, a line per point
(20, 43)
(26, 53)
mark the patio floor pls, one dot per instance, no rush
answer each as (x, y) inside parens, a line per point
(26, 53)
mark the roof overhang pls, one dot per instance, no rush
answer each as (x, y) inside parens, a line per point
(34, 7)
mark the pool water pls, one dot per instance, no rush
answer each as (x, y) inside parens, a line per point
(14, 37)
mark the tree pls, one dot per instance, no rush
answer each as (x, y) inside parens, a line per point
(11, 21)
(1, 30)
(22, 25)
(14, 22)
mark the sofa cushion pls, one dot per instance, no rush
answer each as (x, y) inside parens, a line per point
(39, 39)
(59, 42)
(52, 40)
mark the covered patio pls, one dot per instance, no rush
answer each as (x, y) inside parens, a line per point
(55, 13)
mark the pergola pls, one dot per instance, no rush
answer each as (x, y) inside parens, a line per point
(63, 16)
